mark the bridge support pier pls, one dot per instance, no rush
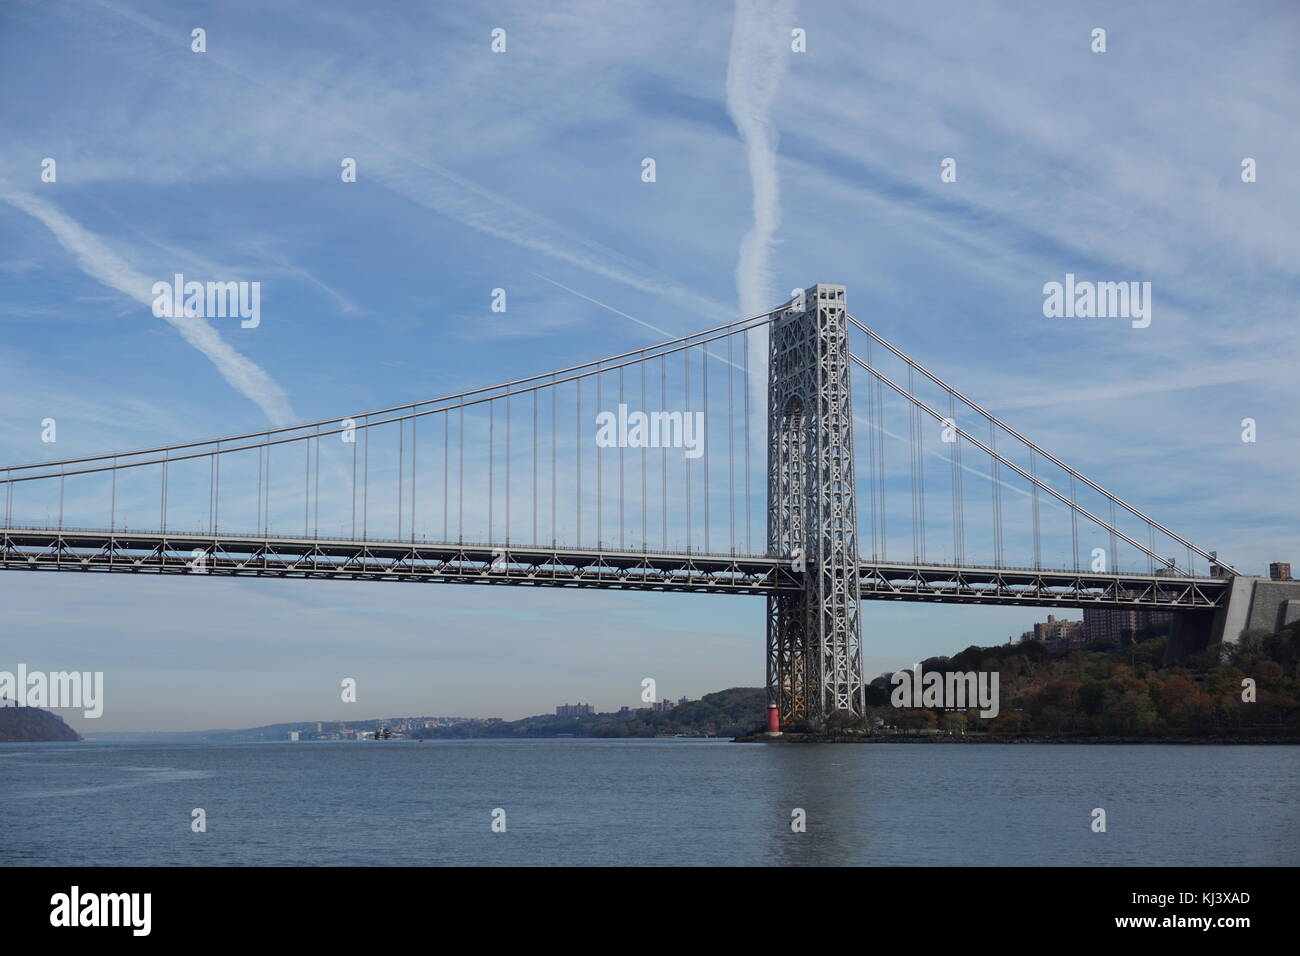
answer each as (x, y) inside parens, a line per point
(814, 640)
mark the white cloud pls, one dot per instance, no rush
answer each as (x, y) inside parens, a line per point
(760, 55)
(97, 260)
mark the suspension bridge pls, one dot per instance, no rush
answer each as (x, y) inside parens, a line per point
(733, 460)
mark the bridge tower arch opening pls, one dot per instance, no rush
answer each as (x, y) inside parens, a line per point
(814, 637)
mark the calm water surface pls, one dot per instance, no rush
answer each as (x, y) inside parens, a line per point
(675, 802)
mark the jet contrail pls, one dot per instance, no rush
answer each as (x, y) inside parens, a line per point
(760, 55)
(100, 262)
(758, 60)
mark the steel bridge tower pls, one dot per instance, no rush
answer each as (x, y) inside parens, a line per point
(814, 637)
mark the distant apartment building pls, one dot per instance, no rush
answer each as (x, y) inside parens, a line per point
(1280, 571)
(1120, 625)
(662, 705)
(575, 710)
(1059, 634)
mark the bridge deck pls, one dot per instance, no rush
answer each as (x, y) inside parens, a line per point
(252, 556)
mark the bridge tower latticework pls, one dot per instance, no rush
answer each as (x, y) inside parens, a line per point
(814, 638)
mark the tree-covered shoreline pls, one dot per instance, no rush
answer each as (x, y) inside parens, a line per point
(1109, 692)
(32, 725)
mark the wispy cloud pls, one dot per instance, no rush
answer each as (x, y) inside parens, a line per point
(411, 173)
(97, 260)
(609, 308)
(760, 56)
(757, 62)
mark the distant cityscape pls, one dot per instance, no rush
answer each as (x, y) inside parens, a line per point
(396, 727)
(589, 710)
(1119, 625)
(418, 727)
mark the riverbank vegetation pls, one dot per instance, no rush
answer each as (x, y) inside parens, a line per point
(1251, 688)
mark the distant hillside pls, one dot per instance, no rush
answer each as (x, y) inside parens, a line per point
(329, 730)
(1117, 692)
(33, 724)
(726, 713)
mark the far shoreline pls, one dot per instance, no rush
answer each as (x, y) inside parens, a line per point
(762, 738)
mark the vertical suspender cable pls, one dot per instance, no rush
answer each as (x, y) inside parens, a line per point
(663, 454)
(460, 482)
(163, 493)
(600, 479)
(534, 540)
(911, 436)
(216, 494)
(315, 491)
(491, 464)
(554, 401)
(212, 481)
(414, 420)
(731, 452)
(749, 526)
(645, 442)
(703, 437)
(1074, 526)
(508, 457)
(446, 469)
(622, 440)
(1033, 472)
(1112, 565)
(997, 498)
(871, 456)
(920, 474)
(686, 462)
(577, 451)
(365, 485)
(957, 517)
(401, 470)
(880, 465)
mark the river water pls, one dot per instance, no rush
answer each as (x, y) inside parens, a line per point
(651, 802)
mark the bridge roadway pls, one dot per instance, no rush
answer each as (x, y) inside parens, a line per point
(255, 556)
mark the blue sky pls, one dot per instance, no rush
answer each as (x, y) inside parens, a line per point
(522, 170)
